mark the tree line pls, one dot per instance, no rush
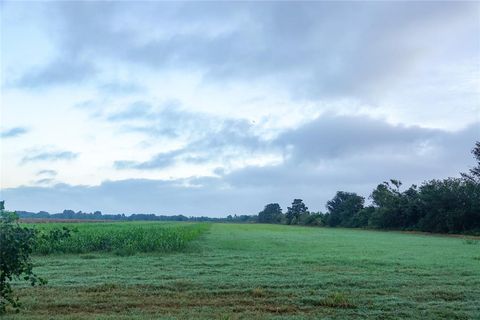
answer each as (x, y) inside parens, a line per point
(450, 205)
(98, 215)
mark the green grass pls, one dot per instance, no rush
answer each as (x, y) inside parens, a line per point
(123, 238)
(267, 271)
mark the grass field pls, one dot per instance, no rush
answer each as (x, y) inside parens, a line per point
(259, 271)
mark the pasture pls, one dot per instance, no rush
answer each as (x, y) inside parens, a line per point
(257, 271)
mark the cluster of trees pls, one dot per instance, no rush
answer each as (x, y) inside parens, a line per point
(98, 215)
(450, 205)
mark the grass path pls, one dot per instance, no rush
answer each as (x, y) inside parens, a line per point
(268, 271)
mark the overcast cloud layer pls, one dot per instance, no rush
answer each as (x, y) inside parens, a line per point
(220, 108)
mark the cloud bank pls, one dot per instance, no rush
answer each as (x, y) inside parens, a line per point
(222, 107)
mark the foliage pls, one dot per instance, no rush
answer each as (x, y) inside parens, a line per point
(296, 211)
(474, 174)
(446, 206)
(99, 216)
(235, 219)
(450, 205)
(123, 238)
(312, 219)
(16, 246)
(387, 200)
(343, 208)
(272, 213)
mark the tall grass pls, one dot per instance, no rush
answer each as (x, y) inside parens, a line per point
(123, 238)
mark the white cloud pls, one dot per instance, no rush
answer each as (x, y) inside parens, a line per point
(239, 91)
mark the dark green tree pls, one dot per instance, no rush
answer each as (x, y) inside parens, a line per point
(272, 213)
(295, 212)
(343, 208)
(450, 205)
(312, 219)
(474, 174)
(361, 219)
(387, 202)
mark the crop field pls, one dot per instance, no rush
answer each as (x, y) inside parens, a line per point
(120, 238)
(255, 271)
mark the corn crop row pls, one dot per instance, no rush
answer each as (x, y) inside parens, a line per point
(123, 238)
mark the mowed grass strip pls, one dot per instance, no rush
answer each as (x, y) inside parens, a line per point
(123, 238)
(267, 272)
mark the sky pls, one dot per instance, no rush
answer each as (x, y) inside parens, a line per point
(217, 108)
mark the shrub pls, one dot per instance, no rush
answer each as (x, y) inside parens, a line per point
(16, 246)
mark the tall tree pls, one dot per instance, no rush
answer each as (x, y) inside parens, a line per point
(343, 208)
(474, 174)
(272, 213)
(387, 200)
(294, 212)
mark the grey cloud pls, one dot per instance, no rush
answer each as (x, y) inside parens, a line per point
(231, 137)
(207, 137)
(119, 88)
(346, 156)
(86, 104)
(137, 110)
(432, 154)
(46, 172)
(13, 132)
(331, 136)
(322, 48)
(207, 143)
(126, 196)
(356, 153)
(160, 161)
(60, 71)
(44, 181)
(197, 159)
(49, 156)
(247, 190)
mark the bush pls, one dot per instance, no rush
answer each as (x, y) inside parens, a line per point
(16, 246)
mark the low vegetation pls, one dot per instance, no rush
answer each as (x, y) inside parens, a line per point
(263, 271)
(19, 242)
(16, 246)
(122, 238)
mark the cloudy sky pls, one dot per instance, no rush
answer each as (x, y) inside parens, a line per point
(218, 108)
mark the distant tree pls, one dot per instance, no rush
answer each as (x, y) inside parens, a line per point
(272, 213)
(362, 218)
(68, 213)
(411, 207)
(343, 208)
(449, 205)
(294, 212)
(387, 202)
(474, 174)
(312, 219)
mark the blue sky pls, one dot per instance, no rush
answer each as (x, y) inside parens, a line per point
(211, 108)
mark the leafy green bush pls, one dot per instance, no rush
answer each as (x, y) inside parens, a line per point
(16, 246)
